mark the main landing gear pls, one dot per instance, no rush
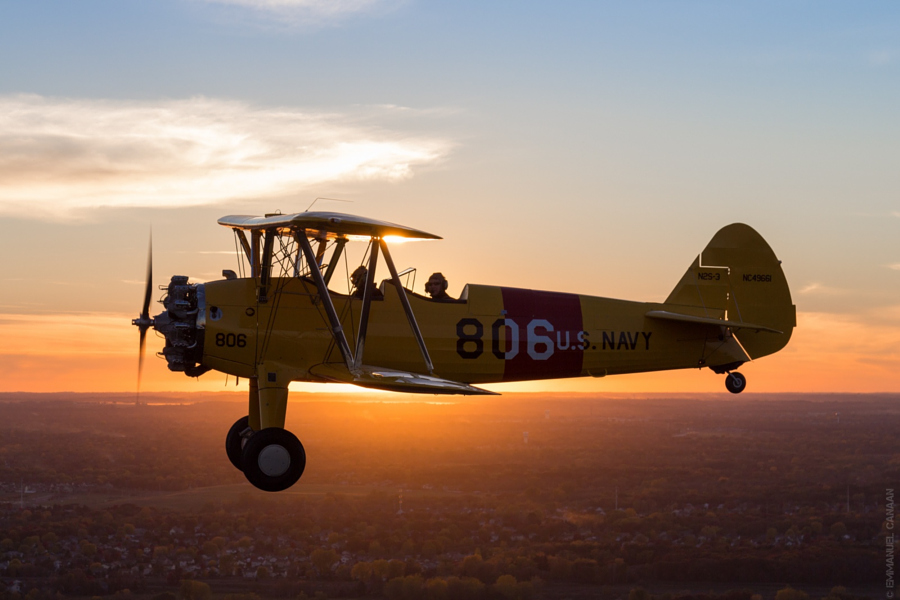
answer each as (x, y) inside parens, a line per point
(735, 382)
(272, 459)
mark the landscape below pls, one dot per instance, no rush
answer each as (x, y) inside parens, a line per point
(519, 496)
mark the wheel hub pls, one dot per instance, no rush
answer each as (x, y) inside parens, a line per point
(274, 460)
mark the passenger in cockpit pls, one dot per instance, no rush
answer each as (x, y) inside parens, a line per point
(436, 286)
(358, 279)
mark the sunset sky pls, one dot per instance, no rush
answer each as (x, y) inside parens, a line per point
(589, 147)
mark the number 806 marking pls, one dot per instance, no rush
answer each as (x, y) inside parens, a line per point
(231, 340)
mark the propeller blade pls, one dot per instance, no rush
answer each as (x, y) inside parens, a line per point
(143, 322)
(145, 311)
(141, 358)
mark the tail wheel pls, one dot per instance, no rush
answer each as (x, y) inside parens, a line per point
(735, 382)
(273, 459)
(235, 440)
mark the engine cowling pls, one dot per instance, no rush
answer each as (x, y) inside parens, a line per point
(183, 324)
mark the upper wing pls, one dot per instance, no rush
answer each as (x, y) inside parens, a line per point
(393, 380)
(329, 222)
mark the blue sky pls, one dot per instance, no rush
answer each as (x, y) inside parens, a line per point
(435, 53)
(590, 147)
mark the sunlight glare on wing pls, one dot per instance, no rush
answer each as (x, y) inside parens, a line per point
(396, 239)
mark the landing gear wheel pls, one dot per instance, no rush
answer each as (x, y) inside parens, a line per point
(735, 382)
(235, 440)
(273, 459)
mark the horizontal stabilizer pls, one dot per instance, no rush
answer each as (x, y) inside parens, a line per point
(671, 316)
(394, 381)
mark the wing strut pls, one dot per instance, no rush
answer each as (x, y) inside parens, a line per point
(354, 362)
(337, 331)
(401, 291)
(255, 234)
(335, 257)
(265, 268)
(368, 292)
(244, 244)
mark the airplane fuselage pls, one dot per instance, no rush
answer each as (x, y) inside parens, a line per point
(495, 335)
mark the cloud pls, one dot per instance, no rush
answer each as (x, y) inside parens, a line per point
(895, 266)
(821, 289)
(310, 12)
(882, 314)
(68, 334)
(58, 156)
(853, 336)
(883, 57)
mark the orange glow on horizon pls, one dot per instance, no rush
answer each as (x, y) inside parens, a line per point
(98, 353)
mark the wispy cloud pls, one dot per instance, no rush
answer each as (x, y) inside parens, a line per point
(63, 334)
(882, 57)
(310, 12)
(884, 313)
(70, 154)
(895, 266)
(819, 288)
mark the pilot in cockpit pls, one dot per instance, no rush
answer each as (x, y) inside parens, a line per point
(436, 286)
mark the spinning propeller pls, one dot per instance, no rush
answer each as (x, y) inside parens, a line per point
(144, 322)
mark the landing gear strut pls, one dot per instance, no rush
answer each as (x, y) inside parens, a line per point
(735, 382)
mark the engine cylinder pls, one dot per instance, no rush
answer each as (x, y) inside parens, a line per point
(183, 324)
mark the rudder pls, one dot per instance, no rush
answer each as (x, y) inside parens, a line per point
(738, 277)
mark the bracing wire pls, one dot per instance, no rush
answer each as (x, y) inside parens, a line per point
(281, 257)
(286, 265)
(323, 198)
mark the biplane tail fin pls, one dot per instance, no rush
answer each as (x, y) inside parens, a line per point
(737, 278)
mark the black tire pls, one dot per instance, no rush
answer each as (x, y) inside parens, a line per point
(234, 441)
(735, 382)
(273, 459)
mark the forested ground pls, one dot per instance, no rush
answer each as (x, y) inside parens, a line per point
(677, 495)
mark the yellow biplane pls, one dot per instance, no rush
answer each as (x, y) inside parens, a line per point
(282, 322)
